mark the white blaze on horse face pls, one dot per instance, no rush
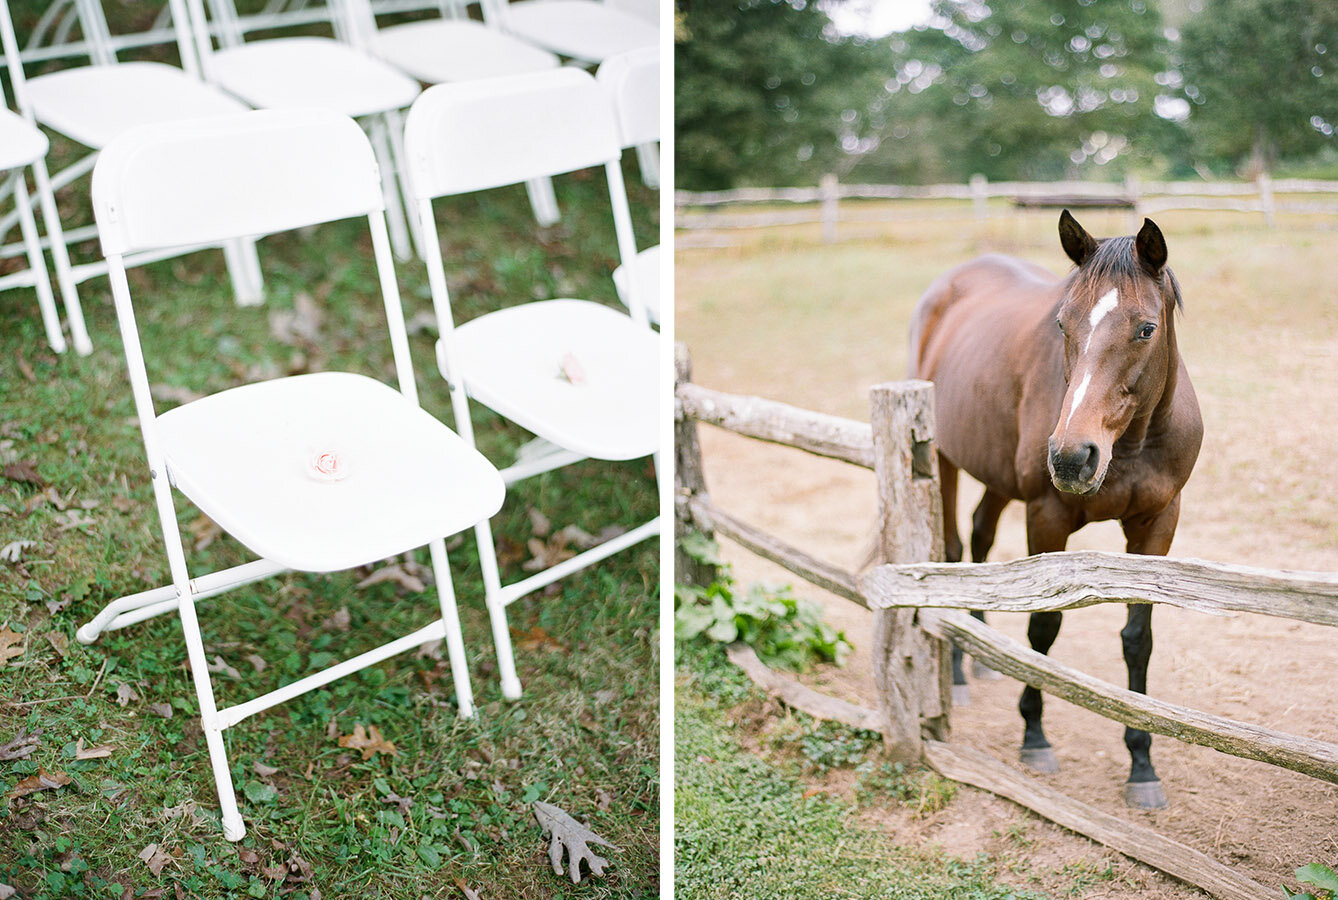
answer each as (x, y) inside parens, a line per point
(1077, 398)
(1108, 301)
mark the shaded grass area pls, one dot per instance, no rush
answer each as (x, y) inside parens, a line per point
(747, 824)
(449, 808)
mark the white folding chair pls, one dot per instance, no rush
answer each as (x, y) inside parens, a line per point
(315, 472)
(312, 72)
(588, 31)
(23, 146)
(632, 80)
(448, 50)
(579, 375)
(91, 104)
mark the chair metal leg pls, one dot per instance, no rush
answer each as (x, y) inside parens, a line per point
(543, 200)
(60, 256)
(243, 262)
(450, 620)
(501, 633)
(395, 221)
(46, 301)
(648, 159)
(395, 125)
(233, 827)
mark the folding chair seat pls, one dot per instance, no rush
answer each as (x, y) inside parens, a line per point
(312, 472)
(581, 376)
(250, 458)
(511, 361)
(585, 30)
(91, 104)
(632, 80)
(312, 72)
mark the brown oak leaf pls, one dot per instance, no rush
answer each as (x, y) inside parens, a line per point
(370, 741)
(42, 781)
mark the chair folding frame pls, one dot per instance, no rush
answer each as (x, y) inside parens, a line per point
(359, 28)
(444, 145)
(384, 126)
(14, 184)
(99, 46)
(632, 80)
(248, 158)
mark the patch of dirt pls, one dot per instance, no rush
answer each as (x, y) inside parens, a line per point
(1272, 672)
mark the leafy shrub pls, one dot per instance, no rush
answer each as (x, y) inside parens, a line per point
(1322, 877)
(785, 630)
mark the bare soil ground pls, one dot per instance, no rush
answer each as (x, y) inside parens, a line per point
(1261, 337)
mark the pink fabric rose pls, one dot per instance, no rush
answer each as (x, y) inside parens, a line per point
(326, 465)
(572, 370)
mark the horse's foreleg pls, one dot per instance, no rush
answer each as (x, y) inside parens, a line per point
(1151, 536)
(984, 527)
(1048, 528)
(952, 552)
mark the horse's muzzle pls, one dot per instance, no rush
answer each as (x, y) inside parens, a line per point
(1076, 469)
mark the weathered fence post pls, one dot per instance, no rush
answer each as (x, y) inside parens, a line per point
(912, 671)
(1264, 181)
(689, 480)
(827, 190)
(979, 196)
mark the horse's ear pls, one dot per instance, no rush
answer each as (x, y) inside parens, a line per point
(1150, 246)
(1078, 244)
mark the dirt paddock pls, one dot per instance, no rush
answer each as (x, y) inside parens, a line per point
(1266, 380)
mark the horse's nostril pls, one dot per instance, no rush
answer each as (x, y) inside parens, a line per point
(1091, 457)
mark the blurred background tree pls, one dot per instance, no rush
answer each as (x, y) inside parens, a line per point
(772, 93)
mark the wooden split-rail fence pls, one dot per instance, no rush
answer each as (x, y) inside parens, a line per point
(828, 203)
(919, 602)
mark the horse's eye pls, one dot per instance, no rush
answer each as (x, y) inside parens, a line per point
(1060, 325)
(1146, 331)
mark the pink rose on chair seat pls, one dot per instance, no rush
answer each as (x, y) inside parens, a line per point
(572, 370)
(328, 465)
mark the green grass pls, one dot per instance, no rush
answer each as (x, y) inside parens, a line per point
(747, 825)
(584, 737)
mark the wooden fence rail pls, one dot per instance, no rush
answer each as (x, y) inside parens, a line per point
(916, 601)
(707, 210)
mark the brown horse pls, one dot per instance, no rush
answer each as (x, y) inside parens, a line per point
(1068, 394)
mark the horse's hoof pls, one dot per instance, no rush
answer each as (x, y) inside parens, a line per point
(982, 672)
(961, 695)
(1039, 759)
(1145, 795)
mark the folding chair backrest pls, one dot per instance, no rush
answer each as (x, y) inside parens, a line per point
(254, 173)
(98, 45)
(471, 136)
(205, 180)
(633, 82)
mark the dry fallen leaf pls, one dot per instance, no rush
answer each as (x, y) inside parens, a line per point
(205, 531)
(99, 752)
(396, 573)
(42, 781)
(162, 709)
(300, 326)
(125, 694)
(369, 741)
(6, 891)
(171, 393)
(219, 667)
(23, 745)
(539, 523)
(535, 639)
(156, 858)
(466, 890)
(257, 662)
(263, 770)
(544, 555)
(13, 551)
(72, 519)
(340, 621)
(568, 834)
(23, 471)
(11, 645)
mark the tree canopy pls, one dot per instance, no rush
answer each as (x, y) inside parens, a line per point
(770, 92)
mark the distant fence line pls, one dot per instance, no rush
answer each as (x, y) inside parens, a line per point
(1138, 197)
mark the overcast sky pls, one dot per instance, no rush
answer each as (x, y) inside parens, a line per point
(877, 18)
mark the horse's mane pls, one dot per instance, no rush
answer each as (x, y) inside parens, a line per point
(1113, 260)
